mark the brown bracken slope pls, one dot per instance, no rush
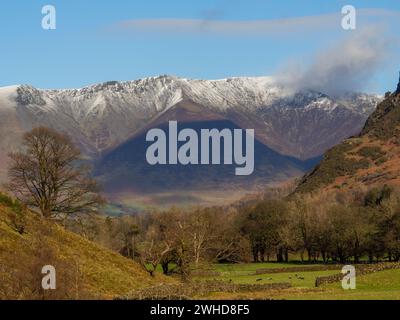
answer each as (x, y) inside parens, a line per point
(370, 159)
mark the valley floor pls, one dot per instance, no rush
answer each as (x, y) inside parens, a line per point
(381, 285)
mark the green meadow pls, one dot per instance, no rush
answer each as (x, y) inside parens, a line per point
(381, 285)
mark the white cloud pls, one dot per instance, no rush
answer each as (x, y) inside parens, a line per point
(346, 66)
(251, 27)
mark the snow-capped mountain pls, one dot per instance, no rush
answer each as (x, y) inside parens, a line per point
(102, 117)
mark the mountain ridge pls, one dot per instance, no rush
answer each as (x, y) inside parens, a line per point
(104, 114)
(102, 117)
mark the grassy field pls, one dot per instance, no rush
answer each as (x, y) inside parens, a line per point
(383, 285)
(245, 273)
(379, 285)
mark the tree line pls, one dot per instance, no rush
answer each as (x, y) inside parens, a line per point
(362, 226)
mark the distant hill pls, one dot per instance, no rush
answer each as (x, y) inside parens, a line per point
(84, 269)
(371, 158)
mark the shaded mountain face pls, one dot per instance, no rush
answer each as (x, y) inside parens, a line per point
(103, 119)
(126, 168)
(369, 159)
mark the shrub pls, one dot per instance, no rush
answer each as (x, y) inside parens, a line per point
(375, 196)
(17, 214)
(381, 161)
(6, 200)
(372, 153)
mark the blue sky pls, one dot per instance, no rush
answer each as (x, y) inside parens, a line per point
(99, 41)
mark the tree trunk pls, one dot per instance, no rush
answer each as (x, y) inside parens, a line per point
(279, 255)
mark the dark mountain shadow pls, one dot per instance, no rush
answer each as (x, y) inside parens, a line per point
(125, 168)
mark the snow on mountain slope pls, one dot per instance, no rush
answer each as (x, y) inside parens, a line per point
(10, 128)
(104, 115)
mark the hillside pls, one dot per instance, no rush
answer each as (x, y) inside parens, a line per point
(369, 159)
(84, 269)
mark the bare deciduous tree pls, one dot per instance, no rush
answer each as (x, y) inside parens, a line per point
(46, 176)
(153, 250)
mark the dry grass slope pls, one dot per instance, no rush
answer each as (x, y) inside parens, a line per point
(84, 269)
